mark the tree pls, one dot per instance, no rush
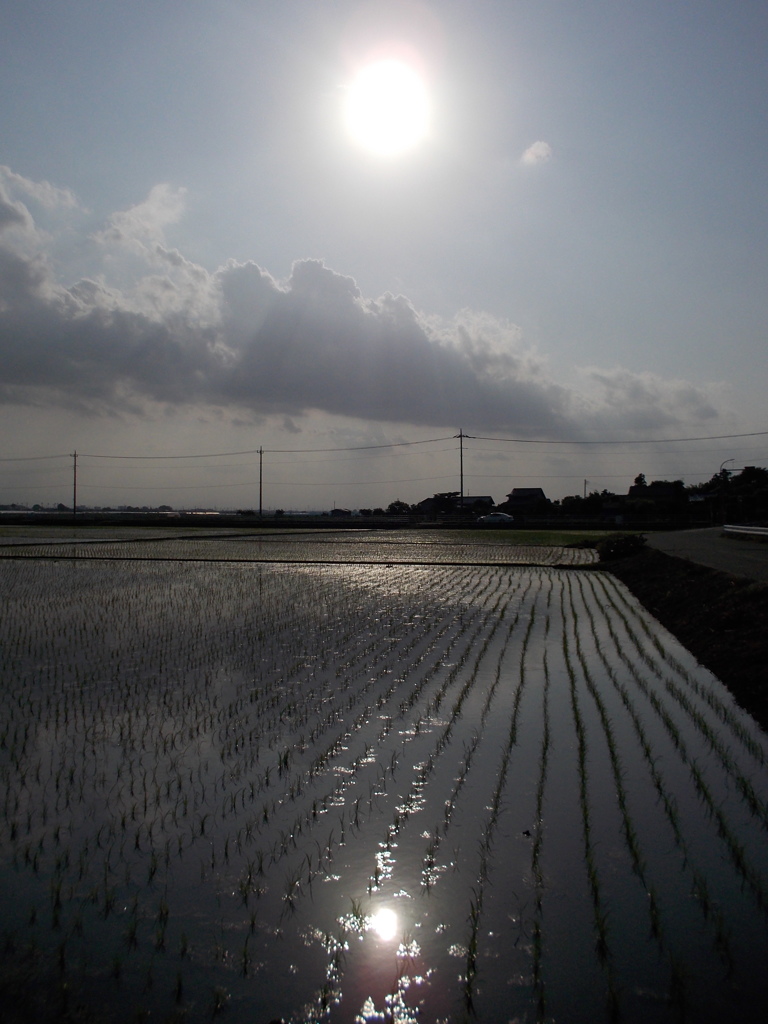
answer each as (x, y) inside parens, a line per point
(446, 501)
(398, 508)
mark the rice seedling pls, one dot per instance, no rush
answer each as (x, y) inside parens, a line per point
(600, 911)
(188, 745)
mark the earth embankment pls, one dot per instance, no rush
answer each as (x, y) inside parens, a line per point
(722, 618)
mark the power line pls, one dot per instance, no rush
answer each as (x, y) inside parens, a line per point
(658, 440)
(629, 453)
(253, 483)
(392, 444)
(281, 451)
(37, 458)
(359, 447)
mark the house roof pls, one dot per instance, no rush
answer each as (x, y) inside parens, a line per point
(526, 494)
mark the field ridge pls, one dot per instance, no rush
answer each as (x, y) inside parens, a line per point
(722, 619)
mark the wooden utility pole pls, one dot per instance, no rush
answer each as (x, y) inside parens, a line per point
(461, 435)
(74, 483)
(261, 476)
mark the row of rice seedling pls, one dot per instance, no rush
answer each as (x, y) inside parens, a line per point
(538, 881)
(710, 715)
(698, 881)
(599, 905)
(490, 827)
(370, 548)
(216, 777)
(431, 869)
(201, 823)
(401, 843)
(662, 897)
(417, 734)
(683, 725)
(630, 832)
(718, 701)
(677, 807)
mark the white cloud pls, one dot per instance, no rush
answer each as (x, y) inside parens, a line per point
(13, 214)
(146, 221)
(537, 153)
(47, 195)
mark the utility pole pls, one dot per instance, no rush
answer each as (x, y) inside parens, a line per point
(261, 472)
(461, 435)
(723, 474)
(585, 487)
(74, 483)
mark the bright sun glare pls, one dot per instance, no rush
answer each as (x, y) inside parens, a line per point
(387, 108)
(384, 923)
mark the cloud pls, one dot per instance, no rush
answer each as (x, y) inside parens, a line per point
(13, 214)
(146, 221)
(47, 195)
(537, 153)
(645, 401)
(241, 340)
(315, 342)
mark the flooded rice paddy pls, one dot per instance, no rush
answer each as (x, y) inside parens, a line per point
(370, 780)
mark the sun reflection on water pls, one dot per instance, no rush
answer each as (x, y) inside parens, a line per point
(384, 923)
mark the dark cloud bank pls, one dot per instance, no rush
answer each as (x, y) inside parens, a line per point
(237, 338)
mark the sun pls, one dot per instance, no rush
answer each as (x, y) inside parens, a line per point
(387, 108)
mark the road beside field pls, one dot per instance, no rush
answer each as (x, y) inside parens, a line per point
(710, 547)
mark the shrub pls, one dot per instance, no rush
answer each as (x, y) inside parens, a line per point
(620, 545)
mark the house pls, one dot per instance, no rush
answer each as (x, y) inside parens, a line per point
(480, 503)
(525, 500)
(450, 502)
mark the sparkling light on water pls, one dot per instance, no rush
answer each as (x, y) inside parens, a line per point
(384, 923)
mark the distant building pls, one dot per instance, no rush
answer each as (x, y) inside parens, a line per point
(476, 503)
(451, 502)
(522, 500)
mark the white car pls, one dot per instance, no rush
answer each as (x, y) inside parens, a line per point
(496, 517)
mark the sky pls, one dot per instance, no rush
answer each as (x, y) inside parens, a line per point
(556, 245)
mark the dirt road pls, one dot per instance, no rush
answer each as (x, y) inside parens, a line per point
(711, 548)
